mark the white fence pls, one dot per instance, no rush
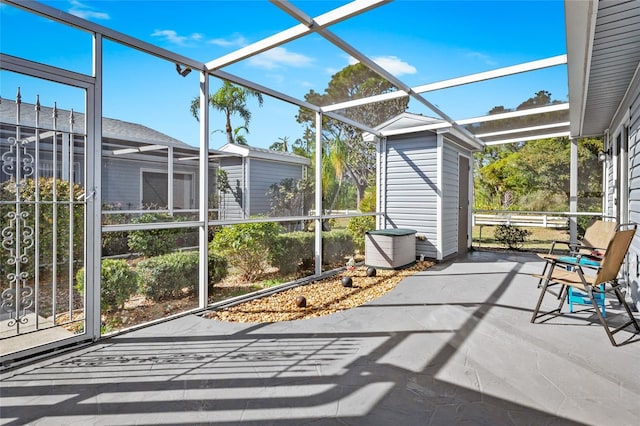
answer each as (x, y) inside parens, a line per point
(519, 219)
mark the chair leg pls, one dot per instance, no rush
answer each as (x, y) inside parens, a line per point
(620, 297)
(543, 291)
(632, 319)
(600, 317)
(544, 271)
(562, 296)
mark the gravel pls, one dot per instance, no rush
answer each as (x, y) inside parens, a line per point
(323, 297)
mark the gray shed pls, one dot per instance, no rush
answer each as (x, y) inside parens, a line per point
(425, 182)
(250, 172)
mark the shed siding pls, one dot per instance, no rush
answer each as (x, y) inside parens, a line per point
(634, 192)
(450, 209)
(231, 205)
(263, 174)
(121, 179)
(411, 188)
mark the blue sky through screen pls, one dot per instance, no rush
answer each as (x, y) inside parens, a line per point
(418, 41)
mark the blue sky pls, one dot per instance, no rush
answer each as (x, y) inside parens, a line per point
(418, 41)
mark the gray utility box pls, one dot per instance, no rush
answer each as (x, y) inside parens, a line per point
(390, 248)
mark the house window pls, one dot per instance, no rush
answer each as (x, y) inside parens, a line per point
(155, 190)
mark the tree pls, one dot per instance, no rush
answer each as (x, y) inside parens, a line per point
(540, 99)
(535, 176)
(282, 144)
(230, 99)
(353, 82)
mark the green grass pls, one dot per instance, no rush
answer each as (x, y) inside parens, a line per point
(539, 240)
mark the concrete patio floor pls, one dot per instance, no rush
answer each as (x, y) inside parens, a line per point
(449, 346)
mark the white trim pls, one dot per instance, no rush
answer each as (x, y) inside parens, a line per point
(530, 138)
(439, 195)
(496, 73)
(513, 114)
(43, 71)
(251, 152)
(524, 129)
(58, 15)
(459, 81)
(307, 26)
(580, 24)
(415, 129)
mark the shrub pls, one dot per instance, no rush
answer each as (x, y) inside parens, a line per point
(167, 275)
(119, 283)
(292, 249)
(336, 245)
(511, 236)
(247, 246)
(358, 226)
(154, 242)
(218, 268)
(114, 243)
(295, 249)
(26, 193)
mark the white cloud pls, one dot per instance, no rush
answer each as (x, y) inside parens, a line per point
(395, 65)
(172, 37)
(279, 57)
(392, 64)
(236, 40)
(85, 12)
(477, 56)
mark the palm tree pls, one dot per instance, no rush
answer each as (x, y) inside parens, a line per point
(282, 144)
(237, 137)
(229, 99)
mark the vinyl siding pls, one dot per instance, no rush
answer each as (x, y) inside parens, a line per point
(411, 188)
(231, 205)
(263, 174)
(634, 194)
(121, 179)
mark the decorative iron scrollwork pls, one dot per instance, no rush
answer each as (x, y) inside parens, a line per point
(11, 158)
(17, 236)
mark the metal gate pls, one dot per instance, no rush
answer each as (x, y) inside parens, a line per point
(44, 177)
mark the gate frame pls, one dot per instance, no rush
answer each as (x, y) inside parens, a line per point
(92, 157)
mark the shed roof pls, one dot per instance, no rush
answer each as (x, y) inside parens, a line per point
(265, 154)
(407, 122)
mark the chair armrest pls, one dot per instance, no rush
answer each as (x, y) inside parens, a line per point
(553, 245)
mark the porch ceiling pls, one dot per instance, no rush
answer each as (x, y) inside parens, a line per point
(603, 51)
(603, 44)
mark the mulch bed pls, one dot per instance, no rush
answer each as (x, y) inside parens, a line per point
(322, 297)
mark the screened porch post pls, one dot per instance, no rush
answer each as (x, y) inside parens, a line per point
(93, 183)
(203, 207)
(573, 191)
(319, 212)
